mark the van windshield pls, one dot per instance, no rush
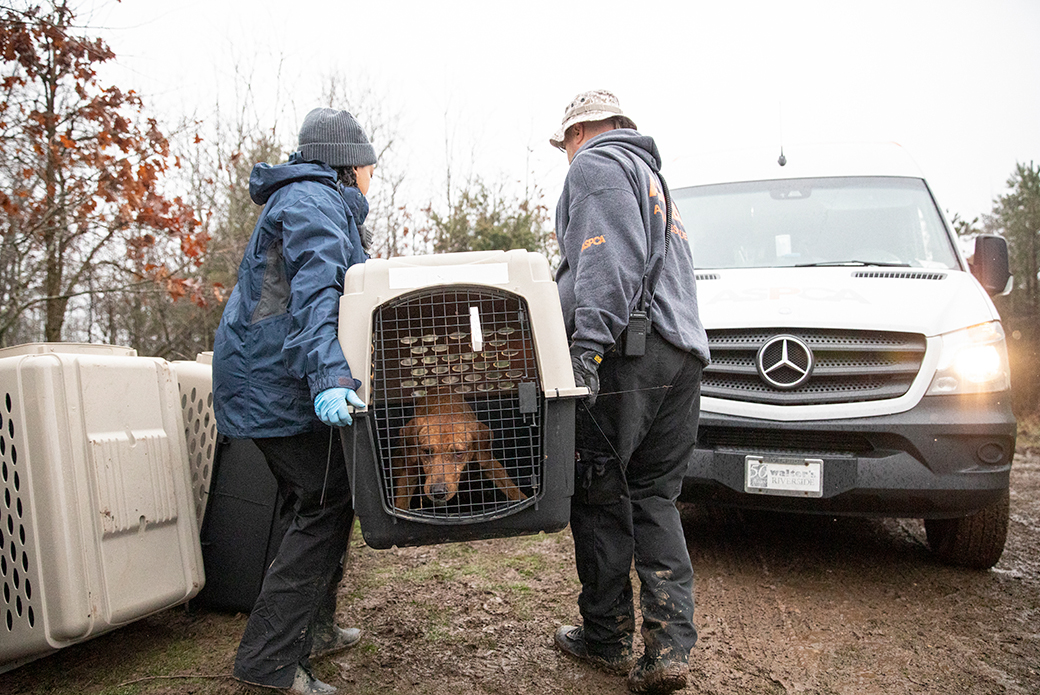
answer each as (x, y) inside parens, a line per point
(884, 221)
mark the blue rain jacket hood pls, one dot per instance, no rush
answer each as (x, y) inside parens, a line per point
(277, 344)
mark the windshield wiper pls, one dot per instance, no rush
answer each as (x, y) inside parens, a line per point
(881, 264)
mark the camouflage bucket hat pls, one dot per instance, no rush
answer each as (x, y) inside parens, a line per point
(595, 105)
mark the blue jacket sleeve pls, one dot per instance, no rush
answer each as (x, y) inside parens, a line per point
(317, 252)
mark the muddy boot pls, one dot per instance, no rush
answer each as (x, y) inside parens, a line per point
(338, 640)
(657, 676)
(571, 641)
(306, 684)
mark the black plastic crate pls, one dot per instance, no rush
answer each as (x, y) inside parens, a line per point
(243, 526)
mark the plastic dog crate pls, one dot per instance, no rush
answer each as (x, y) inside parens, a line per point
(469, 430)
(195, 386)
(97, 520)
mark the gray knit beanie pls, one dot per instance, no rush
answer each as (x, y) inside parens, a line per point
(334, 137)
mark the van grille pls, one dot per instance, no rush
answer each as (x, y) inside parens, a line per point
(849, 366)
(784, 442)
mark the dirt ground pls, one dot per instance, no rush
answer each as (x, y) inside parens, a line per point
(785, 604)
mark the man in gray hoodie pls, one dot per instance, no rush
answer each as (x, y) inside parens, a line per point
(630, 307)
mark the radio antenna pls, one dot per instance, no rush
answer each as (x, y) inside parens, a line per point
(780, 108)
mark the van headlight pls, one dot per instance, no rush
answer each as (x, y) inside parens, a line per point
(973, 360)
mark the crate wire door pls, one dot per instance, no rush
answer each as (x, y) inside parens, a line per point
(470, 351)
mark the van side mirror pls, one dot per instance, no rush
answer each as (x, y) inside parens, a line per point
(990, 264)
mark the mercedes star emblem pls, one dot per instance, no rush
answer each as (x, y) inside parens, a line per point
(785, 362)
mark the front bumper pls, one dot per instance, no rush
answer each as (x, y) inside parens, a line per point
(949, 456)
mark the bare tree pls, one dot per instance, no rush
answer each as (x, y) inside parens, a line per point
(81, 168)
(216, 151)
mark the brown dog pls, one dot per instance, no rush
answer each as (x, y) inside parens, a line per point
(439, 442)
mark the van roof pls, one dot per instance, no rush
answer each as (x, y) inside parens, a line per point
(802, 161)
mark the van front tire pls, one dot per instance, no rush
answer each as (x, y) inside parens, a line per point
(975, 541)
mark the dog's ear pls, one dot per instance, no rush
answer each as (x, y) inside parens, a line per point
(483, 440)
(405, 470)
(407, 434)
(410, 440)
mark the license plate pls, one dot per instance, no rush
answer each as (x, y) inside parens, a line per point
(783, 476)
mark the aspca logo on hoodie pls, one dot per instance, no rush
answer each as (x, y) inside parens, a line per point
(678, 229)
(594, 241)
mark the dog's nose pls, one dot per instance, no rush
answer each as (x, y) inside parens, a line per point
(439, 492)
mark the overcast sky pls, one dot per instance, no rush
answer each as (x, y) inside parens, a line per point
(956, 82)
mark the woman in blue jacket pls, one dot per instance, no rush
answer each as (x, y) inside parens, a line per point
(280, 379)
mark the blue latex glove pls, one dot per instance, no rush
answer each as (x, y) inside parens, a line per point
(331, 406)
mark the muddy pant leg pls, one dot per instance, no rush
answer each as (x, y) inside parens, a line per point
(324, 621)
(277, 636)
(665, 573)
(603, 548)
(648, 411)
(655, 474)
(601, 509)
(325, 618)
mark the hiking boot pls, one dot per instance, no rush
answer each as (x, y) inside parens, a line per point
(657, 676)
(339, 640)
(571, 641)
(306, 684)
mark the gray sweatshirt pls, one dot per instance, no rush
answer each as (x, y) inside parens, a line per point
(611, 206)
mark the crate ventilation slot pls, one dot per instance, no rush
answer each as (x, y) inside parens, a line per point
(17, 609)
(200, 431)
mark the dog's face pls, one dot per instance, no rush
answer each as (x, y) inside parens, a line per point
(443, 445)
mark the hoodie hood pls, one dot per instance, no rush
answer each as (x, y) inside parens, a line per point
(636, 144)
(267, 178)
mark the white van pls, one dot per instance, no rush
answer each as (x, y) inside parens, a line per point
(858, 364)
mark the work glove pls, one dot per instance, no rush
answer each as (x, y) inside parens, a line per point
(585, 363)
(331, 406)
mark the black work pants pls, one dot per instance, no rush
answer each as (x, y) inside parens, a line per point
(298, 596)
(624, 502)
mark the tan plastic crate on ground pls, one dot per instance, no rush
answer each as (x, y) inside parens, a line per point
(195, 384)
(98, 524)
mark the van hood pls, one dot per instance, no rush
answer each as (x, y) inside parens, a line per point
(914, 300)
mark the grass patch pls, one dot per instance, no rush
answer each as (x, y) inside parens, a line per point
(428, 573)
(121, 690)
(435, 620)
(443, 572)
(154, 654)
(527, 566)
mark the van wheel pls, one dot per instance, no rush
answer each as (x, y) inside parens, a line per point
(975, 541)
